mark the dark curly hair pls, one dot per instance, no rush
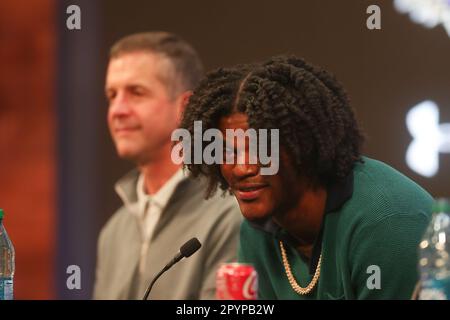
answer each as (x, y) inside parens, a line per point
(310, 108)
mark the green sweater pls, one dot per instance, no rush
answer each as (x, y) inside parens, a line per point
(375, 218)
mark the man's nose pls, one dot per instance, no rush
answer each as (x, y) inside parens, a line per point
(245, 170)
(245, 167)
(120, 105)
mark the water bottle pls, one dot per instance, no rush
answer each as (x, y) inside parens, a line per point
(434, 250)
(6, 263)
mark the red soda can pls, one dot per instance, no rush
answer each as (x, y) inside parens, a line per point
(236, 281)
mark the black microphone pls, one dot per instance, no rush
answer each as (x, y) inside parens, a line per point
(186, 250)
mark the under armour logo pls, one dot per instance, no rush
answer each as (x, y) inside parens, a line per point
(429, 13)
(430, 138)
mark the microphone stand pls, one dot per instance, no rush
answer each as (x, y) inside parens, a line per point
(153, 282)
(186, 251)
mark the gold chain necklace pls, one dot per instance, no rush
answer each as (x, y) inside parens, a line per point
(290, 276)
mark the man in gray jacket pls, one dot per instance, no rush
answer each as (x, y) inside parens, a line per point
(149, 80)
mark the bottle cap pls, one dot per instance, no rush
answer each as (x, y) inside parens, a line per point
(1, 214)
(441, 205)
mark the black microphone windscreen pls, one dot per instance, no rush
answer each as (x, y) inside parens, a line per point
(190, 247)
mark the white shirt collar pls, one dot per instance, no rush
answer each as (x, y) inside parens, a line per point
(162, 196)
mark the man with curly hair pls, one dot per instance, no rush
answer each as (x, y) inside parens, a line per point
(331, 223)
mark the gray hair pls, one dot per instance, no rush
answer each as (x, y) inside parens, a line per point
(187, 68)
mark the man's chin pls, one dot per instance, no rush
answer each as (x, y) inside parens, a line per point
(128, 154)
(254, 215)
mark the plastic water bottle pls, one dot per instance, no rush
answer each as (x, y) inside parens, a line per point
(434, 250)
(6, 263)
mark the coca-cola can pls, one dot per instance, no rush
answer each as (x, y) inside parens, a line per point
(236, 281)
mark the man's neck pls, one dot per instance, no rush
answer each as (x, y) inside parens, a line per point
(157, 173)
(304, 220)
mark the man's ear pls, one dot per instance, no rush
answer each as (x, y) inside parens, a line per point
(182, 101)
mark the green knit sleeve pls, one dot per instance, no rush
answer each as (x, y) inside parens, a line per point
(383, 257)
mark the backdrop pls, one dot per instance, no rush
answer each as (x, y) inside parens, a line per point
(58, 164)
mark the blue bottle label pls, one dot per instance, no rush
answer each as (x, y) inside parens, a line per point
(6, 289)
(435, 289)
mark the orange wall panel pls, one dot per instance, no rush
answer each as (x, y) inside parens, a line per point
(27, 141)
